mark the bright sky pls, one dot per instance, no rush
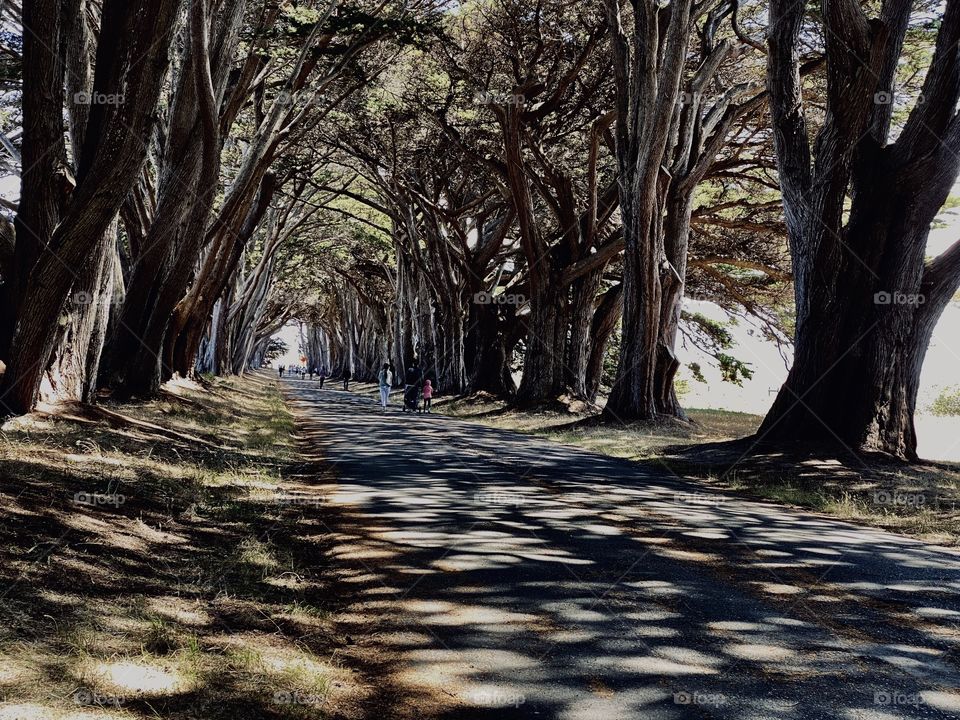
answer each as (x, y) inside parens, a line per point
(290, 334)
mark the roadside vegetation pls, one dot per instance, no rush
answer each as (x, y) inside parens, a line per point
(166, 560)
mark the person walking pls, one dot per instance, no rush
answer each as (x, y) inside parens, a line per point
(385, 380)
(347, 377)
(427, 395)
(323, 375)
(281, 371)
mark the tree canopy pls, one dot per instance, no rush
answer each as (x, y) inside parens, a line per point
(529, 196)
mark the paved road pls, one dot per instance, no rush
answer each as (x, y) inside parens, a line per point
(526, 579)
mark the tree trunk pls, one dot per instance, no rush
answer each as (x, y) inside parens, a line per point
(605, 321)
(488, 366)
(80, 342)
(634, 393)
(546, 326)
(855, 373)
(648, 78)
(679, 207)
(132, 57)
(866, 299)
(582, 308)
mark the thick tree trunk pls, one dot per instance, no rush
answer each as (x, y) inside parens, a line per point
(605, 321)
(452, 370)
(488, 354)
(314, 346)
(854, 380)
(44, 182)
(634, 394)
(866, 299)
(583, 304)
(648, 80)
(854, 377)
(849, 390)
(131, 62)
(546, 338)
(80, 341)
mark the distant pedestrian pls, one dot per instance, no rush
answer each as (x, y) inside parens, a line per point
(281, 371)
(427, 395)
(322, 375)
(347, 377)
(385, 380)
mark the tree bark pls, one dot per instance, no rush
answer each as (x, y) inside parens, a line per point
(131, 64)
(866, 300)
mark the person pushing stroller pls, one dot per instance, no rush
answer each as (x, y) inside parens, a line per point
(413, 384)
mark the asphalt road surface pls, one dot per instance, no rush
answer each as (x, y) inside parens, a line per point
(519, 578)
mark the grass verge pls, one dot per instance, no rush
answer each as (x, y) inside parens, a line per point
(166, 559)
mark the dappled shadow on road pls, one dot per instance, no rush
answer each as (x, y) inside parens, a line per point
(500, 576)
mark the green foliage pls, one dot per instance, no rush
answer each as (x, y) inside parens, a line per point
(948, 214)
(276, 348)
(733, 370)
(947, 403)
(697, 371)
(714, 338)
(714, 330)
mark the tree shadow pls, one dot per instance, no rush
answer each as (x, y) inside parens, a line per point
(497, 575)
(146, 575)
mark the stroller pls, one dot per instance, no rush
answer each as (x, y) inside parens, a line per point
(412, 384)
(411, 398)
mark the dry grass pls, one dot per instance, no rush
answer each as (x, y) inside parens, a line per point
(922, 501)
(153, 567)
(633, 442)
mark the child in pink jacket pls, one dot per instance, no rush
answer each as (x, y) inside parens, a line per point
(427, 395)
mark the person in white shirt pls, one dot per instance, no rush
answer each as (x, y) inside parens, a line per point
(385, 379)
